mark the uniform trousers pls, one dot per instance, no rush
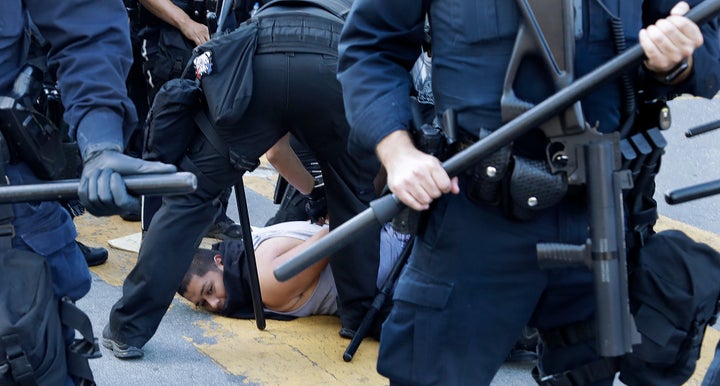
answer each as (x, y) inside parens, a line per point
(47, 229)
(472, 283)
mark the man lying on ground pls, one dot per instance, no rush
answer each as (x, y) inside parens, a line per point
(217, 280)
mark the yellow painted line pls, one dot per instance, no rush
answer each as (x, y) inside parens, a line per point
(95, 232)
(697, 234)
(305, 351)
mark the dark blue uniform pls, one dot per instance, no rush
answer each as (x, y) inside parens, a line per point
(98, 110)
(91, 56)
(473, 279)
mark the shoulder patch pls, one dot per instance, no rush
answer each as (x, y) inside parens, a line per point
(203, 64)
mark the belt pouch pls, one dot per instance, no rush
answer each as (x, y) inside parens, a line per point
(485, 178)
(532, 187)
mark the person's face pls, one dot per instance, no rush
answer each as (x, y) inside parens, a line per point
(208, 291)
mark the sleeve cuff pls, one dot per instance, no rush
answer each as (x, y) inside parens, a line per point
(384, 116)
(100, 129)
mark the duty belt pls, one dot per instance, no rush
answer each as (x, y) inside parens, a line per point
(294, 33)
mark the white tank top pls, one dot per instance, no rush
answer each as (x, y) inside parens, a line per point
(323, 300)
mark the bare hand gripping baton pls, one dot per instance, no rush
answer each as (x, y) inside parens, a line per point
(142, 184)
(385, 208)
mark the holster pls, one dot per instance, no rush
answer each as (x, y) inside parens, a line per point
(31, 136)
(406, 221)
(532, 187)
(521, 186)
(642, 155)
(528, 188)
(485, 179)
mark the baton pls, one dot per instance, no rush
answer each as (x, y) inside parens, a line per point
(704, 128)
(384, 208)
(141, 184)
(693, 192)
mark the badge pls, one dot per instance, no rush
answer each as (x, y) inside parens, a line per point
(203, 64)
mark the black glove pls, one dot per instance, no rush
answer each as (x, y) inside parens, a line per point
(316, 205)
(102, 189)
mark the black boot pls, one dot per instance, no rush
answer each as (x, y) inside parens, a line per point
(525, 348)
(93, 256)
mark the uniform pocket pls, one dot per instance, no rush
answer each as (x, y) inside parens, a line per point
(420, 289)
(45, 227)
(483, 20)
(172, 55)
(414, 329)
(328, 64)
(600, 22)
(55, 240)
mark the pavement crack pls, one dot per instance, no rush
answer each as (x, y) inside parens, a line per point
(314, 363)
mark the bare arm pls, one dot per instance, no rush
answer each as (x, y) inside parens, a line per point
(176, 17)
(286, 162)
(293, 293)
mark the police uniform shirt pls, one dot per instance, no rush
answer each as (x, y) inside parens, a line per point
(472, 44)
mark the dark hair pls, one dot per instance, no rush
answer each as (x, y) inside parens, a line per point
(203, 262)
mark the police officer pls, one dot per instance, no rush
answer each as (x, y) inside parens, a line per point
(136, 85)
(170, 29)
(300, 60)
(473, 281)
(51, 106)
(90, 60)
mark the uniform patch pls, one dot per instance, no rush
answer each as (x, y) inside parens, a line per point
(203, 64)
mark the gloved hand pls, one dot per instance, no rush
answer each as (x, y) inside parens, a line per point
(102, 190)
(316, 205)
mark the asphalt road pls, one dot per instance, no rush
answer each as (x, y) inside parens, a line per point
(691, 161)
(171, 357)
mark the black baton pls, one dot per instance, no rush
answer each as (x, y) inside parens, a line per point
(141, 184)
(693, 192)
